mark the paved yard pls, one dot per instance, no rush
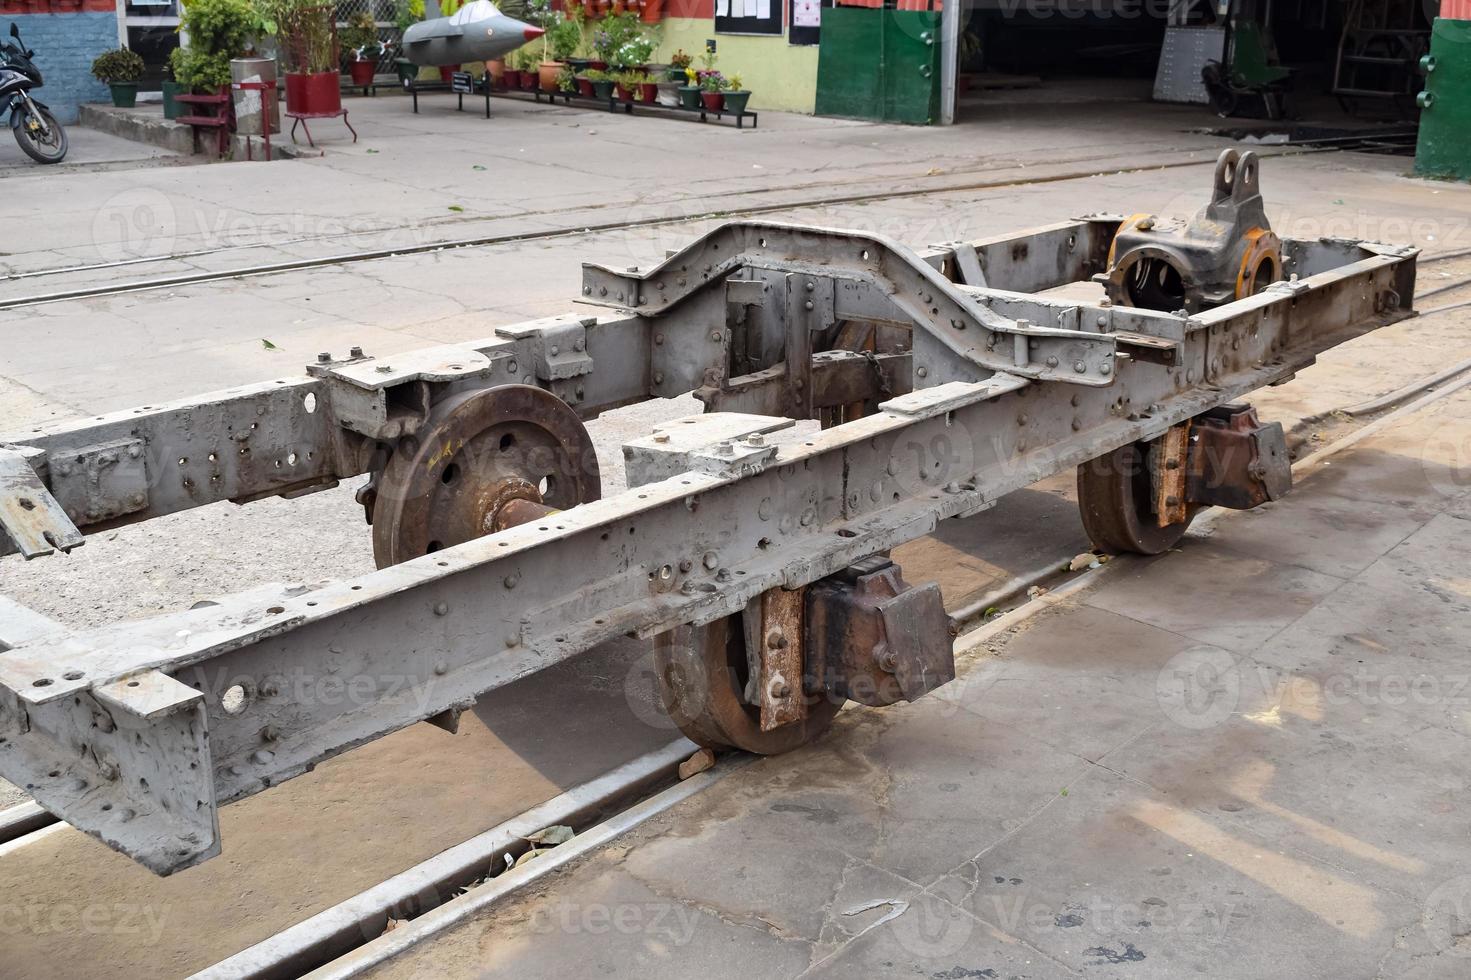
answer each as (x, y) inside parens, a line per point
(1247, 758)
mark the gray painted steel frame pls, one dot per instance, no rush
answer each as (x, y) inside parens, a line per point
(137, 732)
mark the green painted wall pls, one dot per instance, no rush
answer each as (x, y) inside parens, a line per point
(779, 75)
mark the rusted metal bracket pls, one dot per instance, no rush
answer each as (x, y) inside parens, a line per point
(878, 639)
(782, 644)
(1167, 458)
(1236, 461)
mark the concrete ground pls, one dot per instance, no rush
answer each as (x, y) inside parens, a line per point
(548, 172)
(1245, 758)
(87, 150)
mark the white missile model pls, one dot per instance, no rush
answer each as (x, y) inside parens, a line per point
(478, 31)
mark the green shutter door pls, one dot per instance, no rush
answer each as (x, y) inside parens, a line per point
(879, 64)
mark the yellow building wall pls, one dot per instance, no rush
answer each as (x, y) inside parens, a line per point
(780, 75)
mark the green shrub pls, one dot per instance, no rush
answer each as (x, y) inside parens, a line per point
(121, 65)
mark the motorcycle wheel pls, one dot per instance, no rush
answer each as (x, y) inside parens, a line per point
(48, 148)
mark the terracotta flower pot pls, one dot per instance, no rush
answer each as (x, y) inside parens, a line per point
(497, 71)
(318, 94)
(547, 72)
(713, 101)
(648, 92)
(447, 73)
(584, 87)
(361, 72)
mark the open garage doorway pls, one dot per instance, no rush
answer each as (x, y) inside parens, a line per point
(1281, 70)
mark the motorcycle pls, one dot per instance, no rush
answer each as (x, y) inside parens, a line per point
(36, 129)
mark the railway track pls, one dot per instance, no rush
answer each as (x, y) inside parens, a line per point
(580, 229)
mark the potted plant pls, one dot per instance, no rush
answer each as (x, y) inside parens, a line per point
(648, 89)
(169, 88)
(559, 43)
(602, 84)
(712, 91)
(736, 95)
(361, 40)
(218, 30)
(621, 90)
(306, 33)
(636, 51)
(119, 70)
(689, 92)
(679, 63)
(584, 83)
(406, 14)
(613, 35)
(566, 80)
(530, 72)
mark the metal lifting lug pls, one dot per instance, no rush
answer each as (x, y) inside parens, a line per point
(877, 639)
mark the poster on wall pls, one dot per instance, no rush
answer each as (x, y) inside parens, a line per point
(806, 21)
(748, 17)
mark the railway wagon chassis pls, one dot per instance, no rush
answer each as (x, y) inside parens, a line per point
(752, 550)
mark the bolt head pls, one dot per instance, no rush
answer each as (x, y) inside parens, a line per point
(1079, 367)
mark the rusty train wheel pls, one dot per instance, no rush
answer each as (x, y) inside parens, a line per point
(483, 461)
(702, 674)
(1114, 498)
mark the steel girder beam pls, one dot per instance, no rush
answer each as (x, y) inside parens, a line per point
(137, 732)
